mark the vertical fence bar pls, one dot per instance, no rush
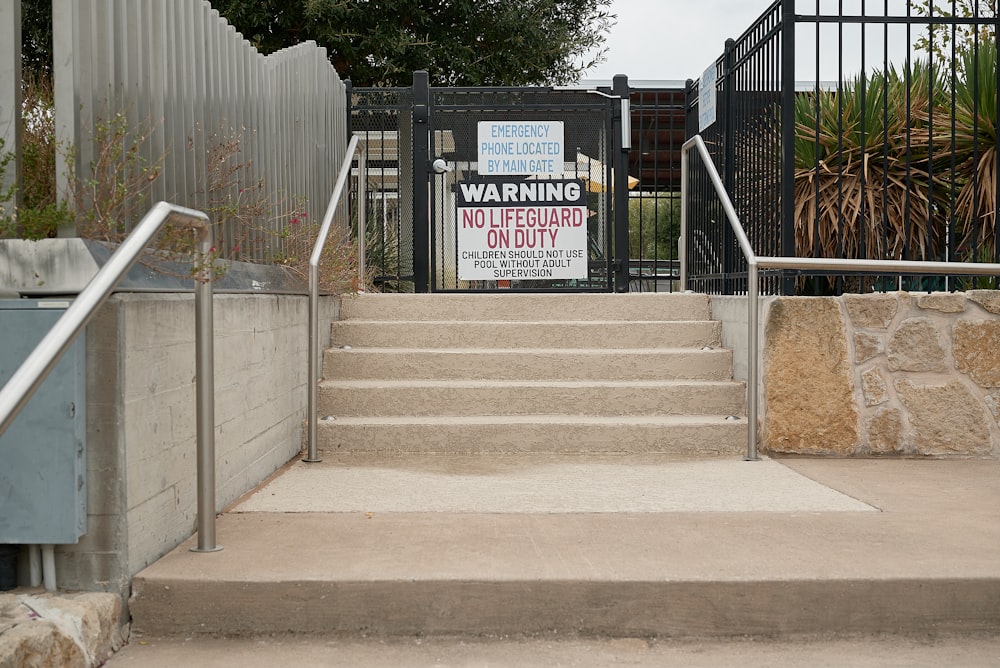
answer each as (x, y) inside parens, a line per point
(621, 143)
(421, 158)
(787, 139)
(729, 158)
(10, 101)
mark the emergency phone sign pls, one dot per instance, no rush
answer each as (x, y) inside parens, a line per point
(520, 148)
(527, 229)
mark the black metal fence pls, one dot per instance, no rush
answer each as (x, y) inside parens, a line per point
(853, 130)
(658, 130)
(382, 117)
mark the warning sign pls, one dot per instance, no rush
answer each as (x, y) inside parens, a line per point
(508, 148)
(522, 230)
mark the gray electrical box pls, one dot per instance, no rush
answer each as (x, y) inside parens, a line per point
(43, 455)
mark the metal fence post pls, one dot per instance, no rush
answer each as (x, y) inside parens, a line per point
(622, 133)
(787, 140)
(421, 198)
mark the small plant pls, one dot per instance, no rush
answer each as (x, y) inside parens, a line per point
(250, 223)
(40, 213)
(114, 193)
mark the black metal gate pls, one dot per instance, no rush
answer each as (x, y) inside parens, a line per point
(508, 189)
(520, 193)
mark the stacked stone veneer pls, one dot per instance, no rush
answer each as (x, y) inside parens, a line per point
(883, 374)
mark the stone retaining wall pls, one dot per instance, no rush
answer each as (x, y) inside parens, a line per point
(882, 374)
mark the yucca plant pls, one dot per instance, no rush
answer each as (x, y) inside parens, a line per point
(863, 187)
(975, 144)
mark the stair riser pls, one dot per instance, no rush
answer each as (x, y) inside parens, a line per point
(690, 399)
(681, 439)
(670, 609)
(650, 306)
(459, 334)
(520, 365)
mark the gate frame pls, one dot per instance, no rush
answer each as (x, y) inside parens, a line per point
(619, 136)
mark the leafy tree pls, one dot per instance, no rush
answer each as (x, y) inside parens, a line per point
(459, 42)
(36, 37)
(941, 40)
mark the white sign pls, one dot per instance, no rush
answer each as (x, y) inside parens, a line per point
(508, 148)
(706, 98)
(522, 230)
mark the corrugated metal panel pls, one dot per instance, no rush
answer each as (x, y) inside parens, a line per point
(179, 69)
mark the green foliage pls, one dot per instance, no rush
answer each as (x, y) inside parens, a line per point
(36, 37)
(941, 40)
(862, 157)
(975, 145)
(39, 214)
(460, 42)
(908, 155)
(654, 222)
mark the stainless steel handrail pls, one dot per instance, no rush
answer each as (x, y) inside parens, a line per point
(317, 253)
(755, 263)
(32, 372)
(747, 250)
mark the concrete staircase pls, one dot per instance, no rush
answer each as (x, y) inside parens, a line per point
(544, 373)
(542, 465)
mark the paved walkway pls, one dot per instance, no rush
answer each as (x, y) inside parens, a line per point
(669, 548)
(979, 651)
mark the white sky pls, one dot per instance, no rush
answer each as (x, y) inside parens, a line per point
(674, 40)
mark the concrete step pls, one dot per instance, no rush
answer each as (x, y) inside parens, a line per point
(633, 306)
(355, 398)
(520, 334)
(830, 548)
(527, 364)
(675, 435)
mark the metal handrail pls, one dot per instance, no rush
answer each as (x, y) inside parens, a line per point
(33, 371)
(755, 263)
(317, 253)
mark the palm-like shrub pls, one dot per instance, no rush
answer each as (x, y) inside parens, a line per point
(863, 186)
(975, 143)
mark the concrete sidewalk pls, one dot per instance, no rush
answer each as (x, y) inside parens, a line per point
(840, 546)
(976, 651)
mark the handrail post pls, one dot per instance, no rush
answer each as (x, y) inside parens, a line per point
(204, 317)
(362, 216)
(20, 387)
(682, 238)
(753, 355)
(312, 391)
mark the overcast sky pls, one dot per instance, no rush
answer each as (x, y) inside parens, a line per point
(674, 40)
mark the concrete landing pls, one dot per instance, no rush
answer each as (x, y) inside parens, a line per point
(980, 651)
(927, 561)
(543, 483)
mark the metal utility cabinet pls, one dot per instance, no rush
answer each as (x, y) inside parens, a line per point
(43, 456)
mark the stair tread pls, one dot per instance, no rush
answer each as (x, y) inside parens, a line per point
(460, 383)
(535, 351)
(539, 418)
(506, 323)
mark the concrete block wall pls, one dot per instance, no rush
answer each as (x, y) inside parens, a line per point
(894, 374)
(141, 420)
